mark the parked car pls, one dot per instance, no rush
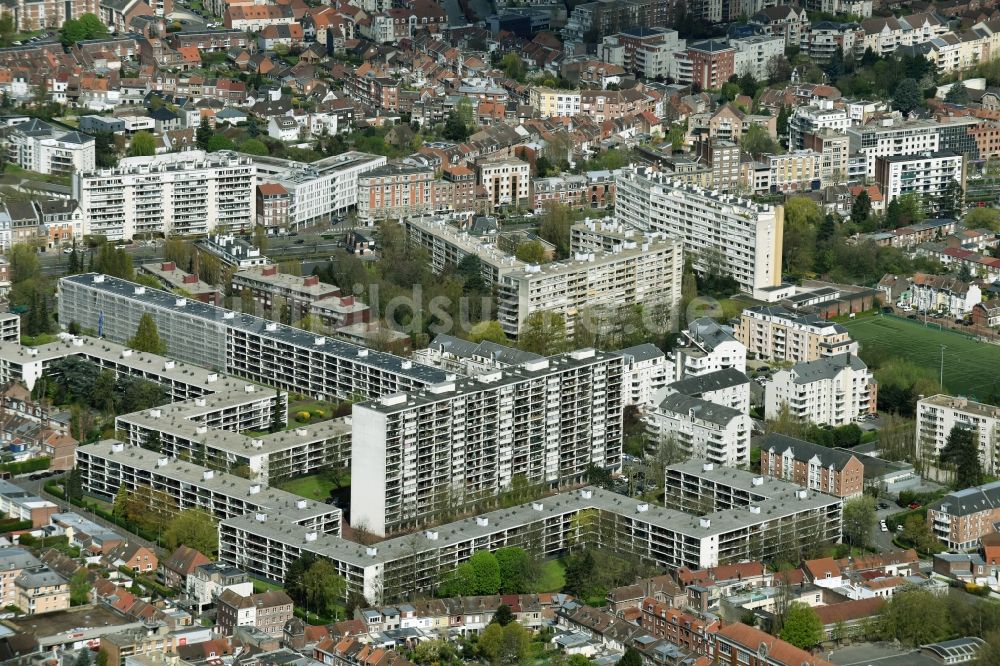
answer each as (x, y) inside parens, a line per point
(883, 505)
(914, 505)
(883, 526)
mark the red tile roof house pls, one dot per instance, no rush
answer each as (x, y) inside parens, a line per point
(740, 645)
(181, 564)
(844, 620)
(134, 556)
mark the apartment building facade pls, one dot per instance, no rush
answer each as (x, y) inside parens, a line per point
(928, 175)
(739, 238)
(706, 347)
(319, 190)
(397, 191)
(833, 390)
(507, 182)
(834, 471)
(41, 147)
(703, 430)
(265, 611)
(815, 118)
(243, 345)
(551, 102)
(647, 272)
(938, 414)
(108, 465)
(713, 62)
(889, 138)
(544, 422)
(776, 333)
(960, 518)
(176, 194)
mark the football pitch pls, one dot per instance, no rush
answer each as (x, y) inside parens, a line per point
(971, 368)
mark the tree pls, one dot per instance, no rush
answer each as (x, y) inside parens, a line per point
(79, 588)
(460, 122)
(543, 333)
(490, 641)
(948, 204)
(143, 144)
(784, 113)
(918, 533)
(757, 141)
(294, 576)
(220, 142)
(486, 572)
(102, 658)
(24, 263)
(74, 485)
(962, 451)
(503, 616)
(254, 147)
(859, 520)
(194, 528)
(861, 209)
(779, 69)
(630, 658)
(490, 331)
(147, 337)
(802, 626)
(505, 644)
(119, 508)
(323, 587)
(915, 617)
(989, 654)
(982, 218)
(957, 94)
(513, 66)
(203, 135)
(531, 252)
(83, 658)
(907, 96)
(115, 262)
(555, 227)
(802, 217)
(517, 570)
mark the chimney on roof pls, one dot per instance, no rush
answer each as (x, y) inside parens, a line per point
(168, 266)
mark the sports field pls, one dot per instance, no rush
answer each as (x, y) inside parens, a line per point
(971, 368)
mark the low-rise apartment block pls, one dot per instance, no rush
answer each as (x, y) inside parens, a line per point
(171, 277)
(775, 333)
(184, 193)
(737, 236)
(646, 371)
(41, 590)
(210, 580)
(41, 147)
(13, 561)
(745, 515)
(890, 138)
(107, 466)
(938, 414)
(267, 611)
(960, 518)
(833, 390)
(834, 471)
(544, 422)
(705, 347)
(506, 182)
(271, 288)
(398, 191)
(701, 429)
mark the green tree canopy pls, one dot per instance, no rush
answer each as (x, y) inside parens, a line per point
(859, 520)
(143, 144)
(79, 588)
(254, 147)
(802, 626)
(630, 658)
(490, 331)
(907, 96)
(915, 617)
(220, 142)
(961, 450)
(194, 528)
(532, 252)
(757, 141)
(324, 588)
(147, 337)
(543, 333)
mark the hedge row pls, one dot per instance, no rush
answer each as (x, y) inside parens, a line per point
(26, 466)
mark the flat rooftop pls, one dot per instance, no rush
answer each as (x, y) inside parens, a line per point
(784, 501)
(61, 622)
(963, 405)
(155, 298)
(528, 370)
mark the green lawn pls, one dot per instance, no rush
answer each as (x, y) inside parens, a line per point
(970, 367)
(553, 577)
(315, 486)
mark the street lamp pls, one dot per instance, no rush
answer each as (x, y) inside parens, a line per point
(941, 377)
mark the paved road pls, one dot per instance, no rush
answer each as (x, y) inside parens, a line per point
(38, 487)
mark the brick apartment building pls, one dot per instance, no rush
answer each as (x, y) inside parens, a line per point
(267, 611)
(273, 201)
(712, 63)
(677, 627)
(813, 466)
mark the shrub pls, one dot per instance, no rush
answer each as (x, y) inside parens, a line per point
(26, 466)
(302, 417)
(318, 413)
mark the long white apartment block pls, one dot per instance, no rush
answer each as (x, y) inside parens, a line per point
(321, 189)
(179, 380)
(452, 443)
(938, 414)
(250, 347)
(744, 516)
(209, 431)
(108, 465)
(833, 390)
(191, 192)
(719, 231)
(646, 271)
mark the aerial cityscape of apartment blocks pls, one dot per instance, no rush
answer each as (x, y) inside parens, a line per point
(720, 232)
(452, 443)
